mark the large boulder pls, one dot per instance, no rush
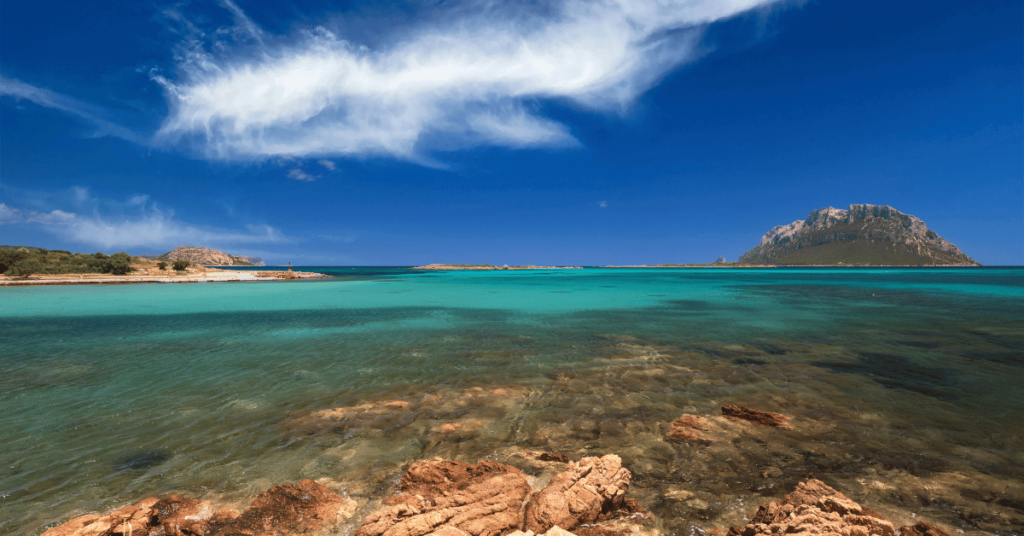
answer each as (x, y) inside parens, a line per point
(589, 488)
(813, 509)
(452, 498)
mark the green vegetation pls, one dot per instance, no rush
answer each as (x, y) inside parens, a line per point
(180, 265)
(161, 265)
(24, 261)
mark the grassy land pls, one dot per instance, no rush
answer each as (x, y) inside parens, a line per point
(23, 260)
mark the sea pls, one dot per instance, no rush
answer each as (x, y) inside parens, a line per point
(903, 387)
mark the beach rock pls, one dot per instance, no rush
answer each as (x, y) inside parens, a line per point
(686, 428)
(764, 418)
(922, 529)
(176, 515)
(283, 509)
(554, 531)
(132, 520)
(451, 498)
(589, 488)
(549, 457)
(815, 508)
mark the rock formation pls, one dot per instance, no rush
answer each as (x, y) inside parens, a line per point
(452, 498)
(283, 509)
(589, 488)
(864, 234)
(812, 509)
(208, 257)
(922, 529)
(764, 418)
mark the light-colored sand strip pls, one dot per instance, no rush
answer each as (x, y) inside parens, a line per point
(202, 277)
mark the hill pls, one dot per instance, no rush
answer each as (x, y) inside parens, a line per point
(208, 257)
(863, 235)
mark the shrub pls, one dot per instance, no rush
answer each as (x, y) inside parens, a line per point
(24, 268)
(9, 257)
(118, 264)
(181, 265)
(161, 265)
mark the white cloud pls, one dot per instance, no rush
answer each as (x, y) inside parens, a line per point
(13, 215)
(473, 80)
(50, 99)
(150, 227)
(602, 204)
(327, 164)
(300, 175)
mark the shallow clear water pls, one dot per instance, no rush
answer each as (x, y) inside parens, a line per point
(904, 386)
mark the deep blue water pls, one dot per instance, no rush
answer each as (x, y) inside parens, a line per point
(904, 384)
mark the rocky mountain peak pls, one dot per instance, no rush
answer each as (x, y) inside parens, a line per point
(863, 234)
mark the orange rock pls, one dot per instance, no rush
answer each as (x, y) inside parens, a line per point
(684, 429)
(922, 529)
(764, 418)
(283, 509)
(812, 509)
(589, 487)
(452, 498)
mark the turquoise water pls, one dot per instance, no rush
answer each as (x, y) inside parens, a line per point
(904, 386)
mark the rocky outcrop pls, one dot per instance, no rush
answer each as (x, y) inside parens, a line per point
(764, 418)
(287, 509)
(281, 510)
(589, 488)
(864, 234)
(452, 498)
(814, 508)
(208, 257)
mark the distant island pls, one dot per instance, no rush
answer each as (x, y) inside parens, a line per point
(491, 267)
(864, 235)
(207, 257)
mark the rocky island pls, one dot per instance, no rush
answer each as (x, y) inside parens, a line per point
(871, 235)
(208, 257)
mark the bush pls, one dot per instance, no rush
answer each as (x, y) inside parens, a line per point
(118, 264)
(161, 265)
(9, 257)
(24, 268)
(181, 265)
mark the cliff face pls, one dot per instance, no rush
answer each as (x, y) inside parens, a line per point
(209, 257)
(864, 234)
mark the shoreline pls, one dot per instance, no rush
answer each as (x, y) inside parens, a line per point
(207, 276)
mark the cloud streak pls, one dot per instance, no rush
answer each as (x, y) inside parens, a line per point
(51, 99)
(147, 226)
(479, 79)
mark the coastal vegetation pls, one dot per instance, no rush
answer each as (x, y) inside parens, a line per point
(24, 261)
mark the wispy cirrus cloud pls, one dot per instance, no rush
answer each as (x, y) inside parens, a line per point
(51, 99)
(475, 79)
(137, 222)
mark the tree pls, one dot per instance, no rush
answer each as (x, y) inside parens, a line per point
(24, 268)
(119, 263)
(161, 265)
(9, 257)
(181, 265)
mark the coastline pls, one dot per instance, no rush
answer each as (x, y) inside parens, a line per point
(205, 276)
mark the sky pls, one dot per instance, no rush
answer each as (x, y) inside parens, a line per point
(570, 132)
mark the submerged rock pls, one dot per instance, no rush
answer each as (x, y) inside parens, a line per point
(921, 529)
(764, 418)
(686, 428)
(452, 498)
(589, 488)
(815, 508)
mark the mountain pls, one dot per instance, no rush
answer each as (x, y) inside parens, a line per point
(862, 235)
(208, 257)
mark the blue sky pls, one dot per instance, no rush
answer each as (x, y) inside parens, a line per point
(546, 132)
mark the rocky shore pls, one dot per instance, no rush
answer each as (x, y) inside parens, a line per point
(440, 497)
(204, 275)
